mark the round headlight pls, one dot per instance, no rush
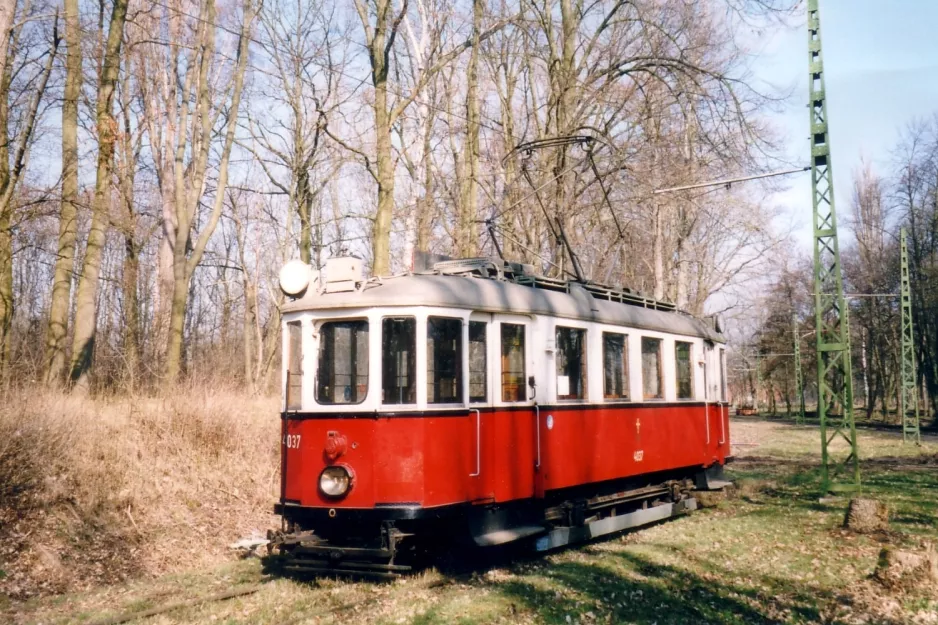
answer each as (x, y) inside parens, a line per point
(334, 481)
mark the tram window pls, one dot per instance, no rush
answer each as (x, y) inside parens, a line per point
(513, 385)
(571, 363)
(444, 361)
(722, 374)
(651, 368)
(615, 366)
(294, 398)
(398, 360)
(478, 358)
(684, 377)
(343, 362)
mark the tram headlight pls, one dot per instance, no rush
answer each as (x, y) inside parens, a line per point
(335, 481)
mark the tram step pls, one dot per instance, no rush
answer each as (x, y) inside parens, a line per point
(566, 535)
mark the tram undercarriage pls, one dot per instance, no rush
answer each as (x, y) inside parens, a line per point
(387, 548)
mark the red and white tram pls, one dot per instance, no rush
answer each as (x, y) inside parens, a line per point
(479, 400)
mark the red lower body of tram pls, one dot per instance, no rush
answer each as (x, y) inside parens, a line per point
(493, 474)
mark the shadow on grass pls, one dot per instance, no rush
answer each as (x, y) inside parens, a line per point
(629, 588)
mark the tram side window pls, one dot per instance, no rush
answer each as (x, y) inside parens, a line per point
(571, 363)
(513, 387)
(343, 362)
(651, 368)
(478, 357)
(294, 398)
(615, 366)
(684, 377)
(398, 360)
(444, 360)
(722, 374)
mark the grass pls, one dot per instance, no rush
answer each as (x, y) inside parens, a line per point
(775, 554)
(98, 491)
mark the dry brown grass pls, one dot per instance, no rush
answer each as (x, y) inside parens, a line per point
(97, 490)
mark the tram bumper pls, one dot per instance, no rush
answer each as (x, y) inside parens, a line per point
(306, 554)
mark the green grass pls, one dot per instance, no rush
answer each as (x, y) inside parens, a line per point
(777, 553)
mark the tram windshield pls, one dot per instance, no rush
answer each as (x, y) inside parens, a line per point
(343, 362)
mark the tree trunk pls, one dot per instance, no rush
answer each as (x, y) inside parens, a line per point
(6, 290)
(68, 213)
(131, 339)
(250, 322)
(85, 299)
(426, 206)
(177, 315)
(657, 245)
(563, 95)
(304, 204)
(467, 239)
(384, 162)
(7, 10)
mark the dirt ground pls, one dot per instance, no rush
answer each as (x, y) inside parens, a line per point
(776, 553)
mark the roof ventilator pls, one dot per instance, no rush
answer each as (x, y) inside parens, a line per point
(342, 274)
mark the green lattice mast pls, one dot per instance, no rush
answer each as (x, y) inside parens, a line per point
(835, 380)
(799, 380)
(909, 395)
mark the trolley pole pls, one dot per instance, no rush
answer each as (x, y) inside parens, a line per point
(799, 380)
(834, 375)
(909, 395)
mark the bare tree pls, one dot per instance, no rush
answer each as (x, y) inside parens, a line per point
(196, 130)
(466, 238)
(21, 94)
(307, 57)
(914, 189)
(381, 24)
(68, 213)
(86, 298)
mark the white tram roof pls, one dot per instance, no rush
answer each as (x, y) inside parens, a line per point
(499, 296)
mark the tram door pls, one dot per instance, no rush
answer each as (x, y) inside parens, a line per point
(714, 411)
(480, 337)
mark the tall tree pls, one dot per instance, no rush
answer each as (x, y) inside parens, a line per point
(190, 178)
(106, 126)
(302, 44)
(16, 139)
(68, 212)
(381, 25)
(128, 152)
(915, 189)
(466, 238)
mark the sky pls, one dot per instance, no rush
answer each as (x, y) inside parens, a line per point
(881, 74)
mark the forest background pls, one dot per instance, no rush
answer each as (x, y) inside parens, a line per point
(161, 160)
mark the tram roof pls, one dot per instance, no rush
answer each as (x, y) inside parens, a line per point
(496, 296)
